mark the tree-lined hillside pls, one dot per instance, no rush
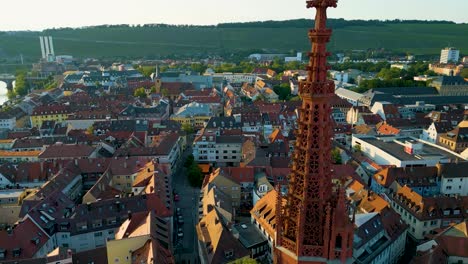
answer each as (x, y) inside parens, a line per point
(152, 41)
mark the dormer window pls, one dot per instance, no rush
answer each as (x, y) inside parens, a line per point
(229, 254)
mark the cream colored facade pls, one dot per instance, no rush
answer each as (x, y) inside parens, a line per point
(120, 251)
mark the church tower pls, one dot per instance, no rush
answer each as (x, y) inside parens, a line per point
(314, 226)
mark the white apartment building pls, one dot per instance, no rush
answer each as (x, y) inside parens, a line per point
(219, 150)
(454, 179)
(7, 121)
(448, 55)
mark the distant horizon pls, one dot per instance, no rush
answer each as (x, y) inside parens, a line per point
(48, 14)
(232, 22)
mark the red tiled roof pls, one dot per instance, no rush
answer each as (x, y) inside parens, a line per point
(385, 129)
(51, 110)
(60, 151)
(240, 174)
(26, 236)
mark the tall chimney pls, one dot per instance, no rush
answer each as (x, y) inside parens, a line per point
(46, 42)
(51, 44)
(41, 40)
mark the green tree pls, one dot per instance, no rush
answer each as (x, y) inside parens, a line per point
(153, 89)
(336, 156)
(198, 67)
(283, 91)
(21, 85)
(146, 70)
(195, 175)
(464, 73)
(293, 65)
(165, 92)
(140, 92)
(278, 65)
(188, 128)
(388, 74)
(189, 161)
(357, 148)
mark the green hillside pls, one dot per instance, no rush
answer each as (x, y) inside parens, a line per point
(416, 37)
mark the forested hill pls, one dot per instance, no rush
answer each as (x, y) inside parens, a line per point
(160, 40)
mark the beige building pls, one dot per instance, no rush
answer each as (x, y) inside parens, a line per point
(446, 69)
(142, 238)
(225, 185)
(455, 140)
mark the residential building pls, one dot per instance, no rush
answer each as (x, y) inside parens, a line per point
(425, 214)
(252, 240)
(446, 69)
(7, 121)
(385, 110)
(142, 238)
(361, 115)
(456, 139)
(60, 151)
(220, 150)
(7, 144)
(225, 184)
(216, 244)
(270, 96)
(425, 181)
(57, 113)
(448, 246)
(263, 217)
(453, 178)
(193, 114)
(448, 55)
(24, 241)
(19, 156)
(379, 237)
(433, 132)
(230, 77)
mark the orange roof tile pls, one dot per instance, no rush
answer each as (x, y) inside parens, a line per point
(34, 153)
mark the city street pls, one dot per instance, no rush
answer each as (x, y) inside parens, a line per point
(186, 247)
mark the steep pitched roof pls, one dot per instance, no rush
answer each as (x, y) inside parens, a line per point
(17, 243)
(218, 240)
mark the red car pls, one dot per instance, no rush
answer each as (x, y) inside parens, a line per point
(176, 198)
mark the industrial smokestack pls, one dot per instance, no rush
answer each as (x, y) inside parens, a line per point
(51, 44)
(46, 42)
(41, 40)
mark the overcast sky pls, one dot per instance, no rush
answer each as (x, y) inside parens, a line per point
(41, 14)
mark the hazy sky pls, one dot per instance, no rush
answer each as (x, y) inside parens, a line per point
(40, 14)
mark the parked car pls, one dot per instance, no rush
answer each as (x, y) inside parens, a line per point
(180, 220)
(176, 198)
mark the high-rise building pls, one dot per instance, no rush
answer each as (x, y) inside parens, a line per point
(313, 225)
(448, 55)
